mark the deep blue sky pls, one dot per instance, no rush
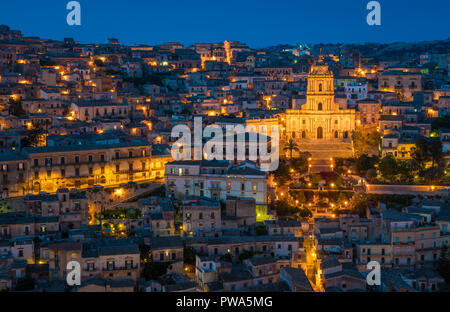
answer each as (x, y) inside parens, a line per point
(258, 23)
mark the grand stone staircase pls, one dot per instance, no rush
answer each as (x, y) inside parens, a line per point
(327, 149)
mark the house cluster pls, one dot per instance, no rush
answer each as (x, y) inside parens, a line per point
(86, 132)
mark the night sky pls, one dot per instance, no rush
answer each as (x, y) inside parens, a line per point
(258, 23)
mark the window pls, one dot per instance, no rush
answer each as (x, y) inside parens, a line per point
(63, 160)
(319, 107)
(129, 264)
(110, 265)
(77, 159)
(90, 158)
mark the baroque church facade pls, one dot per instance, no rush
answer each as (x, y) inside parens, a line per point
(321, 123)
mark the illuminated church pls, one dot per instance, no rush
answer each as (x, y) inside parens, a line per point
(321, 126)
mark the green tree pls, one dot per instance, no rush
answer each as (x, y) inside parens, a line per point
(226, 257)
(282, 208)
(16, 108)
(404, 171)
(260, 230)
(154, 270)
(435, 151)
(281, 175)
(246, 254)
(433, 175)
(444, 264)
(366, 143)
(34, 137)
(371, 174)
(291, 146)
(388, 167)
(300, 164)
(365, 162)
(305, 213)
(420, 153)
(189, 255)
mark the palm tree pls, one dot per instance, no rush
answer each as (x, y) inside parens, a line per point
(291, 146)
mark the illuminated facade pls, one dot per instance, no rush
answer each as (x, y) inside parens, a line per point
(320, 120)
(216, 180)
(79, 162)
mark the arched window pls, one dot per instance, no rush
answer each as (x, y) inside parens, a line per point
(320, 87)
(336, 134)
(293, 135)
(303, 134)
(319, 107)
(345, 134)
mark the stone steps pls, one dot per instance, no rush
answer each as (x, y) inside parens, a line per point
(325, 149)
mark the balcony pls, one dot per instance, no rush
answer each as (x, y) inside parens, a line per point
(122, 268)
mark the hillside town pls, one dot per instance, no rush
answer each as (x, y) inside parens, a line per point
(88, 172)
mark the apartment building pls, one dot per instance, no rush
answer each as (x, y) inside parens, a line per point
(216, 180)
(201, 216)
(85, 161)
